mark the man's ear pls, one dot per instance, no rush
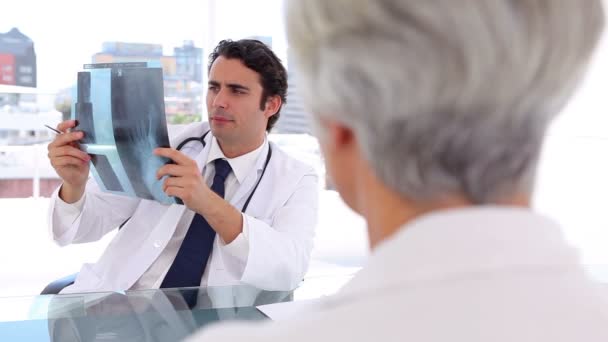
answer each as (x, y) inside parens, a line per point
(272, 105)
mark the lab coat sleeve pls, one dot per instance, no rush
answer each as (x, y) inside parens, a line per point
(238, 249)
(99, 213)
(279, 251)
(69, 213)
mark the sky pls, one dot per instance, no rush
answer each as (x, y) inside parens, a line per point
(66, 33)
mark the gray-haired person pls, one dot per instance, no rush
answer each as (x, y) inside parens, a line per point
(431, 116)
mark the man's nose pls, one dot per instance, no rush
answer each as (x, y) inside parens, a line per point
(220, 100)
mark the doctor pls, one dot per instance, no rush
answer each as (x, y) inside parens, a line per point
(249, 209)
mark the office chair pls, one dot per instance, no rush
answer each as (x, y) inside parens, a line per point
(56, 286)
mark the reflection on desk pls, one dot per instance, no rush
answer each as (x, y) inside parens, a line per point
(148, 315)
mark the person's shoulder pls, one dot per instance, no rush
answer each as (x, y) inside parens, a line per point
(287, 162)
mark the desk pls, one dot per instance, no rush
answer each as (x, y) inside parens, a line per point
(147, 315)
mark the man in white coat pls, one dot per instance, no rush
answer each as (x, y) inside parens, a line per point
(249, 209)
(431, 116)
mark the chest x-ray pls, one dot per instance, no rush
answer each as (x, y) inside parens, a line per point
(120, 107)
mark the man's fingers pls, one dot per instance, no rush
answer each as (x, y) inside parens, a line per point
(176, 171)
(67, 161)
(175, 155)
(68, 151)
(176, 192)
(179, 182)
(65, 125)
(66, 138)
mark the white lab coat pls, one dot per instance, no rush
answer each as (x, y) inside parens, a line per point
(281, 218)
(487, 274)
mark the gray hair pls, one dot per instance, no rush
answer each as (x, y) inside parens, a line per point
(445, 96)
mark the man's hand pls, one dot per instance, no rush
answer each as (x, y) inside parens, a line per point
(186, 181)
(70, 163)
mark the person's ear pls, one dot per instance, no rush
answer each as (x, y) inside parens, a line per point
(339, 135)
(272, 105)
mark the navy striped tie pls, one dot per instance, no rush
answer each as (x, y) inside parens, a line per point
(189, 264)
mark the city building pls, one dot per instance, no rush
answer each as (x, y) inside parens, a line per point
(22, 105)
(189, 60)
(182, 73)
(17, 59)
(294, 119)
(120, 52)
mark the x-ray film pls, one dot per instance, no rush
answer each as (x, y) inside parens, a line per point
(120, 108)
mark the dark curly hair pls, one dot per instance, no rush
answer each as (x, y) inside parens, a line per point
(258, 57)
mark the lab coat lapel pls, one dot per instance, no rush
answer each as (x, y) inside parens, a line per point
(201, 158)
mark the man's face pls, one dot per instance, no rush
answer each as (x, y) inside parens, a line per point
(233, 103)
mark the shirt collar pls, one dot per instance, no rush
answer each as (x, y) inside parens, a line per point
(241, 165)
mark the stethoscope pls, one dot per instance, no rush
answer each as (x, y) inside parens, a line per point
(201, 139)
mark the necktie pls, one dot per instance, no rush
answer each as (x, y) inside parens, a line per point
(189, 264)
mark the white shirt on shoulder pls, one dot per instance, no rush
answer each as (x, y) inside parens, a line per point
(479, 274)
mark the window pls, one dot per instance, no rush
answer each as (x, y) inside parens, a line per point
(26, 69)
(26, 79)
(572, 176)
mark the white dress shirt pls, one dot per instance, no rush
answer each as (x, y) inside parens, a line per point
(65, 214)
(477, 274)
